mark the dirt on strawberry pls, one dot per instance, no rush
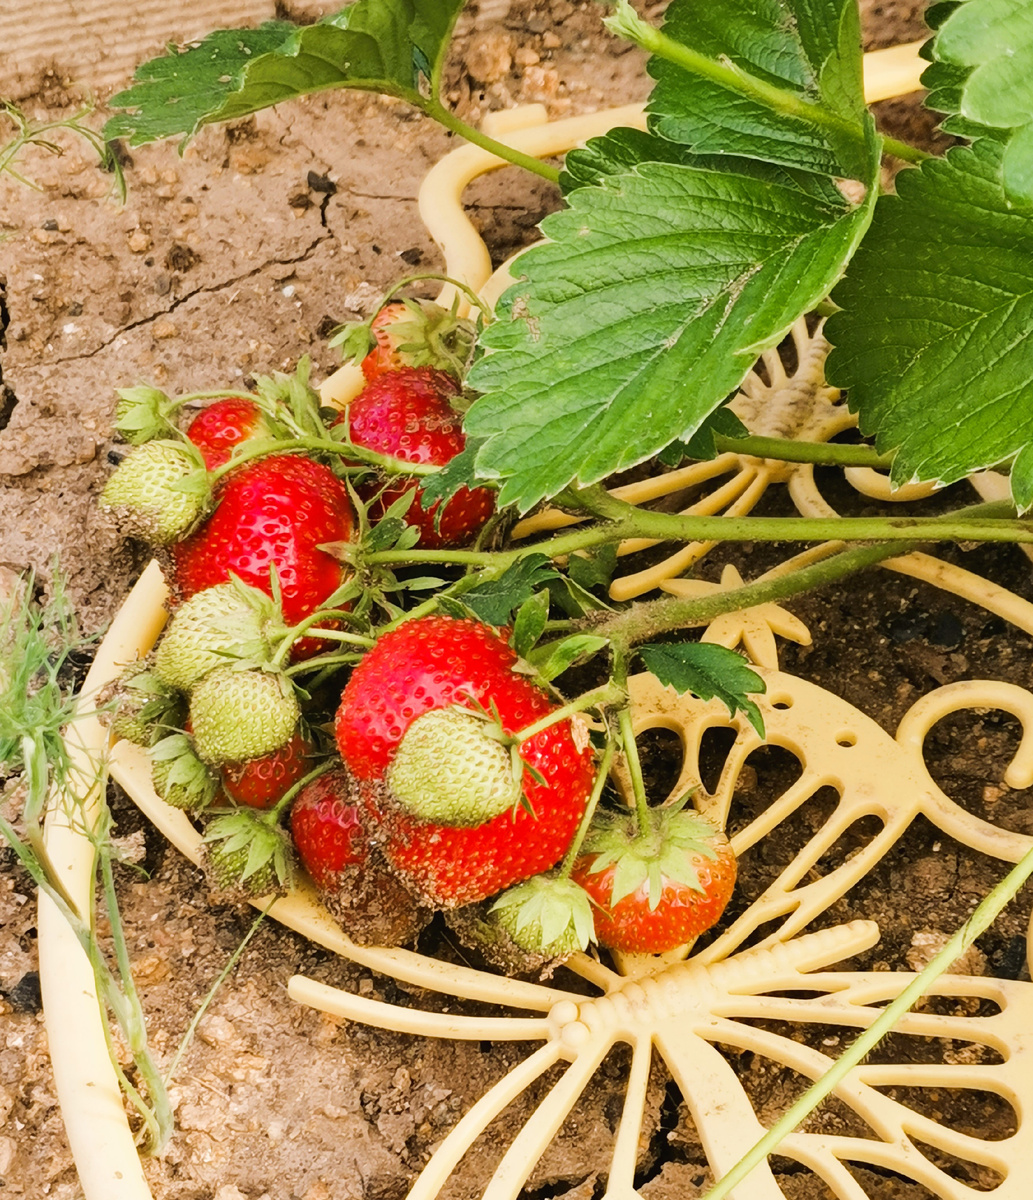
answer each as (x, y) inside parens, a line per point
(233, 260)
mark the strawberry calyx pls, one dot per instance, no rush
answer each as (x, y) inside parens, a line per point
(408, 333)
(245, 856)
(142, 707)
(547, 915)
(646, 854)
(180, 778)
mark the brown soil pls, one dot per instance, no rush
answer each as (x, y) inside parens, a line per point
(235, 260)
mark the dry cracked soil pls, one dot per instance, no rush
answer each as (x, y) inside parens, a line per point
(236, 259)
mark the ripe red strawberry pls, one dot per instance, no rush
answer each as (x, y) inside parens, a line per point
(436, 663)
(655, 888)
(417, 333)
(329, 829)
(217, 429)
(260, 782)
(406, 414)
(273, 512)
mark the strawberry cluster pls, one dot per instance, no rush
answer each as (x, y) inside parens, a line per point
(411, 761)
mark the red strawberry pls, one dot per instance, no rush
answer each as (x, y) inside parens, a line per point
(217, 429)
(436, 663)
(406, 415)
(273, 512)
(417, 333)
(656, 888)
(329, 832)
(260, 782)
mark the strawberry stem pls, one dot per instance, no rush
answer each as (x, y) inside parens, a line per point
(309, 626)
(420, 276)
(610, 693)
(628, 743)
(586, 820)
(272, 817)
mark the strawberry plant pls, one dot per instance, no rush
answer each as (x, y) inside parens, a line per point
(478, 709)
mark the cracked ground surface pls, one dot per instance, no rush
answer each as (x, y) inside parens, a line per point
(234, 260)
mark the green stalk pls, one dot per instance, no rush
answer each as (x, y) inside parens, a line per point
(830, 454)
(649, 620)
(978, 523)
(608, 694)
(979, 922)
(158, 1114)
(272, 817)
(628, 743)
(567, 865)
(625, 22)
(435, 109)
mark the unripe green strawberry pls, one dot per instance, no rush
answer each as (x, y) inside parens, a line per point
(149, 497)
(448, 770)
(144, 708)
(549, 916)
(245, 856)
(180, 778)
(222, 623)
(237, 715)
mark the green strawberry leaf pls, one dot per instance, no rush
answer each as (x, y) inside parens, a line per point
(708, 671)
(701, 447)
(934, 339)
(593, 568)
(810, 49)
(457, 474)
(648, 304)
(554, 658)
(992, 42)
(494, 601)
(1022, 479)
(395, 47)
(530, 623)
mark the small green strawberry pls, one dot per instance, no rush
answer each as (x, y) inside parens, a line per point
(245, 856)
(180, 778)
(547, 915)
(143, 707)
(157, 493)
(447, 769)
(238, 715)
(222, 623)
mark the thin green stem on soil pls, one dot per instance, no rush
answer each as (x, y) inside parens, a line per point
(195, 1020)
(438, 111)
(979, 922)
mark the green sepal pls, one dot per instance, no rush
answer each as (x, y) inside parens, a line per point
(546, 915)
(142, 413)
(553, 658)
(494, 601)
(530, 622)
(663, 850)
